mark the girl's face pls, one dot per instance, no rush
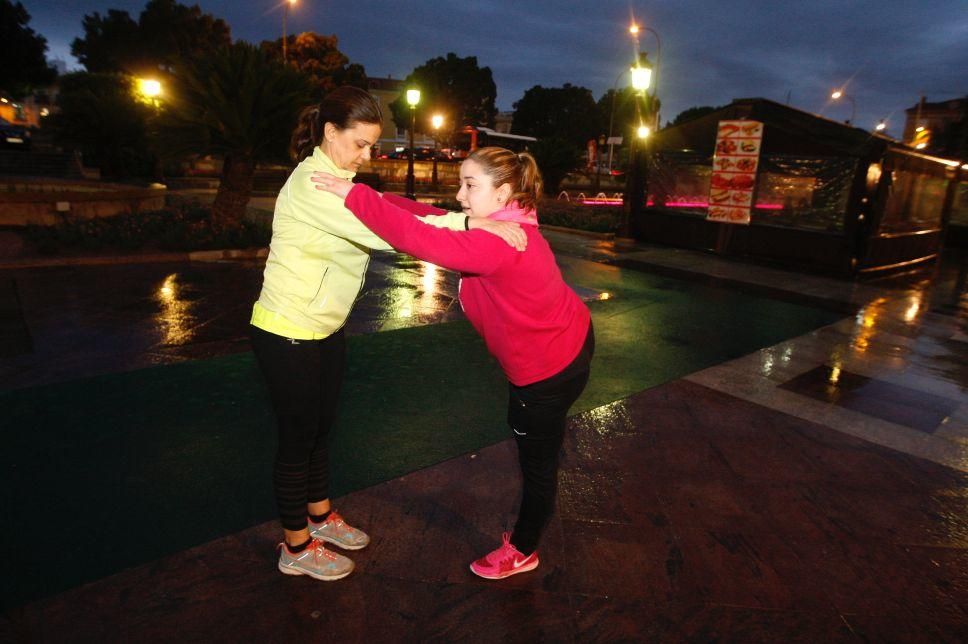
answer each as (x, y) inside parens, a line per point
(350, 148)
(478, 196)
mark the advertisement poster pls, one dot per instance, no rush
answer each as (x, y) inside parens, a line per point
(733, 180)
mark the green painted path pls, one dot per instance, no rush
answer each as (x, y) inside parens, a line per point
(170, 457)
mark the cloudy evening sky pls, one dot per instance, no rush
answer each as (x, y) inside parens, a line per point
(888, 53)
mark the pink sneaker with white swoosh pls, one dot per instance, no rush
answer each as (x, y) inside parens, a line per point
(504, 562)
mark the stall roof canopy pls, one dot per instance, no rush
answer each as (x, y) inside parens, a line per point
(787, 131)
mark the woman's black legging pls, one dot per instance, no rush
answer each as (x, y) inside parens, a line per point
(537, 414)
(304, 379)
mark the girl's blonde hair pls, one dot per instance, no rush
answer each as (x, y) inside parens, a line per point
(520, 170)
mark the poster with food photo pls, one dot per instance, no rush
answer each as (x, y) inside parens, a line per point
(733, 180)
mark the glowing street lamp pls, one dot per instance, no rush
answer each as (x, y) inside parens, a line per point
(880, 127)
(149, 88)
(641, 76)
(838, 94)
(413, 98)
(436, 120)
(285, 14)
(148, 91)
(643, 132)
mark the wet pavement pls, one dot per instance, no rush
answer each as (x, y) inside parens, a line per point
(815, 489)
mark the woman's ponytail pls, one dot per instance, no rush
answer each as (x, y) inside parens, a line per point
(307, 135)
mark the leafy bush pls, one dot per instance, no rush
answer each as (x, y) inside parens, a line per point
(555, 212)
(178, 227)
(599, 219)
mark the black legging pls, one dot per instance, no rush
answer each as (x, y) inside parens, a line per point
(537, 414)
(304, 379)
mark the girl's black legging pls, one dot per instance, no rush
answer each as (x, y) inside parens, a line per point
(304, 379)
(537, 415)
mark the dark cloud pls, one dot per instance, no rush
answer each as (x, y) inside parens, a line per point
(887, 53)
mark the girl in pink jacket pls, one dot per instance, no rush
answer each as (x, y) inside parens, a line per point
(532, 322)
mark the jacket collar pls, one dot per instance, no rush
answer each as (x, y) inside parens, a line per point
(329, 166)
(514, 212)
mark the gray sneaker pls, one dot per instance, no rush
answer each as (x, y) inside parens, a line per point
(338, 532)
(315, 561)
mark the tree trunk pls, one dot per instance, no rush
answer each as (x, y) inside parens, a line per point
(233, 192)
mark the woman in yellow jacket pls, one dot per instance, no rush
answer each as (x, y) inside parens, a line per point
(317, 259)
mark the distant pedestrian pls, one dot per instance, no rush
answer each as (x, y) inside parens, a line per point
(314, 273)
(532, 322)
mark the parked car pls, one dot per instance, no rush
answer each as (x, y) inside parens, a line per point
(13, 135)
(420, 154)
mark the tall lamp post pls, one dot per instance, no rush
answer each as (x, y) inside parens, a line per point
(413, 97)
(839, 94)
(285, 14)
(635, 180)
(436, 120)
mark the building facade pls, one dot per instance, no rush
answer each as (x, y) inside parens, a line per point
(937, 128)
(386, 91)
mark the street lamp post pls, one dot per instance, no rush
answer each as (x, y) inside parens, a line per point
(838, 94)
(413, 97)
(437, 120)
(285, 14)
(635, 181)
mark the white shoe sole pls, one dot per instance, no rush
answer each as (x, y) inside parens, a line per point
(286, 570)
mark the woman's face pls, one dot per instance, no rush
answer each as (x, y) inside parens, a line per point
(478, 195)
(350, 148)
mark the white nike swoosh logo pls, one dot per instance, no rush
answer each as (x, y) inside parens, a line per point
(517, 564)
(519, 433)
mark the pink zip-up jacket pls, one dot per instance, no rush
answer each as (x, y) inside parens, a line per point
(531, 321)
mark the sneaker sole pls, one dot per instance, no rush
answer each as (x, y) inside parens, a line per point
(509, 573)
(339, 543)
(292, 571)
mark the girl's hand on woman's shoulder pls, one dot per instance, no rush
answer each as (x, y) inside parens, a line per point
(509, 231)
(330, 183)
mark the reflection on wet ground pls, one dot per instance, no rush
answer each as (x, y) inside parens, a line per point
(814, 489)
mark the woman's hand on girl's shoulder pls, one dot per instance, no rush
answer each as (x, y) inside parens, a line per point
(330, 183)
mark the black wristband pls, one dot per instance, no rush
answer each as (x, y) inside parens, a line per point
(467, 222)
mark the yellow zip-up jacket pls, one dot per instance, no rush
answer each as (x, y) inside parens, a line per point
(317, 257)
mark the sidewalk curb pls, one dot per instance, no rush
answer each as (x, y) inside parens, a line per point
(576, 231)
(226, 254)
(143, 258)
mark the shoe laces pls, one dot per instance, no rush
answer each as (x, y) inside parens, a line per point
(335, 519)
(507, 551)
(319, 551)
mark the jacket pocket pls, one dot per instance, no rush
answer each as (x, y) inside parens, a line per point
(319, 299)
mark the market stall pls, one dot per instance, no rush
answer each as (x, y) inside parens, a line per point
(767, 181)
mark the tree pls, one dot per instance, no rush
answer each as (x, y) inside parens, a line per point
(320, 59)
(165, 31)
(110, 42)
(239, 104)
(99, 116)
(693, 113)
(567, 112)
(455, 87)
(22, 51)
(617, 108)
(556, 158)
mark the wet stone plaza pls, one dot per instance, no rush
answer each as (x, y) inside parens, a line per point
(760, 456)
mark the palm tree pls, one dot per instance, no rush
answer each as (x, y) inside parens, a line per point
(237, 104)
